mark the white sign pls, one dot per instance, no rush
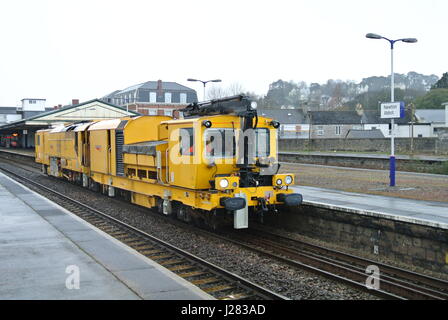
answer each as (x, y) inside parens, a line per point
(392, 110)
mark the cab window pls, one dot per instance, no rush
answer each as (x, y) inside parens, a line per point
(186, 141)
(262, 142)
(219, 143)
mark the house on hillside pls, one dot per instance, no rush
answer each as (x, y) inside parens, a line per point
(347, 124)
(333, 124)
(438, 118)
(293, 122)
(404, 127)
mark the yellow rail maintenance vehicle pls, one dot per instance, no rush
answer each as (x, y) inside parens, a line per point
(216, 165)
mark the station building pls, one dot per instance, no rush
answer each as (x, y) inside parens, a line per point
(29, 107)
(21, 132)
(9, 114)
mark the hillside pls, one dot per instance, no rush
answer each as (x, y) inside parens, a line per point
(345, 95)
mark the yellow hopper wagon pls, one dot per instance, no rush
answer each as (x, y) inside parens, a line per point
(216, 165)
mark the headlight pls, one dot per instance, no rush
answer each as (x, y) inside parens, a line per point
(279, 182)
(288, 180)
(223, 183)
(253, 105)
(275, 124)
(227, 183)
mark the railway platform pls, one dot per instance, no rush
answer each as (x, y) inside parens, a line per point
(19, 151)
(427, 213)
(49, 253)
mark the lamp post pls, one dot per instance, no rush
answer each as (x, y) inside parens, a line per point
(412, 106)
(392, 95)
(204, 83)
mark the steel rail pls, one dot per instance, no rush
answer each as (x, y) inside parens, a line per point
(399, 288)
(253, 290)
(440, 285)
(344, 264)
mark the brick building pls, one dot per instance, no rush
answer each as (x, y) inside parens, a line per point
(153, 98)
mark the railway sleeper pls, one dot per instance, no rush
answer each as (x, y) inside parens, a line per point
(237, 296)
(109, 229)
(118, 233)
(223, 287)
(171, 262)
(137, 242)
(140, 247)
(150, 252)
(205, 281)
(159, 257)
(182, 268)
(123, 237)
(191, 274)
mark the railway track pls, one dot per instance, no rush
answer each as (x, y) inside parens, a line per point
(395, 283)
(219, 283)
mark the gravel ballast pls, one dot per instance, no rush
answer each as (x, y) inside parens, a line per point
(291, 282)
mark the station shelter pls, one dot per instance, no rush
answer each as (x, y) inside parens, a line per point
(21, 133)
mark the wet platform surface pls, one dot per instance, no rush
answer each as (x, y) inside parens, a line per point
(43, 246)
(24, 152)
(430, 213)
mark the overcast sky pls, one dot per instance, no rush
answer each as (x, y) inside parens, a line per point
(61, 50)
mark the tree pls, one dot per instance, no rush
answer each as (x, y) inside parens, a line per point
(336, 97)
(215, 92)
(372, 99)
(279, 94)
(432, 100)
(442, 83)
(315, 96)
(235, 88)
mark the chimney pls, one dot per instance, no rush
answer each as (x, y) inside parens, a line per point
(159, 87)
(75, 101)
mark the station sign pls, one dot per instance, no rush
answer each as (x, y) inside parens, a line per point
(391, 110)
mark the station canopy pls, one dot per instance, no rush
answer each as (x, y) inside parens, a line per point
(90, 110)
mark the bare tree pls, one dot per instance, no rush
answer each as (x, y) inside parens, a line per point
(215, 92)
(235, 88)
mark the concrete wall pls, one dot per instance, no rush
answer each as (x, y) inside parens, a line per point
(422, 246)
(402, 145)
(383, 163)
(401, 131)
(446, 115)
(406, 131)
